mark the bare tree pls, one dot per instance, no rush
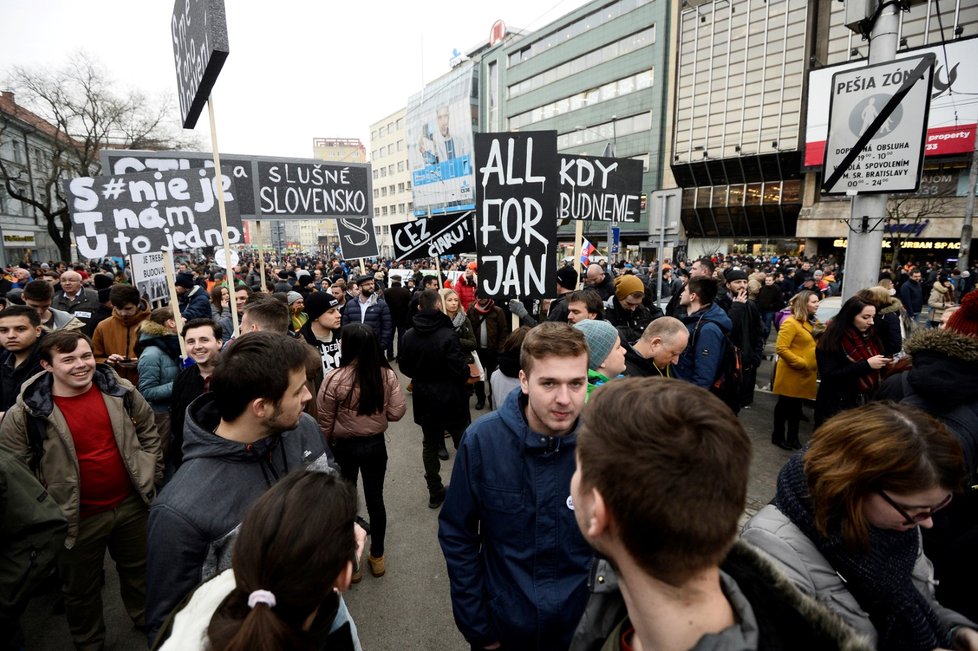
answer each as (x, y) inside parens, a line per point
(908, 214)
(86, 113)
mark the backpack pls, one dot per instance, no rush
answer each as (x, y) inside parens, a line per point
(780, 316)
(34, 530)
(729, 381)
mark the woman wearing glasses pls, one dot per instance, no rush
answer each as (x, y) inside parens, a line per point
(843, 525)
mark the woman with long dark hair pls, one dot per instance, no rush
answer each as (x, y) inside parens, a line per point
(355, 404)
(293, 556)
(850, 356)
(844, 524)
(796, 377)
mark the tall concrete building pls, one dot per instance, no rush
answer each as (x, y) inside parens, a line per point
(751, 107)
(393, 199)
(599, 77)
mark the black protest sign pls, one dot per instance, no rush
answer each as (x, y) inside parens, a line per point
(600, 189)
(236, 168)
(357, 238)
(305, 189)
(139, 213)
(200, 45)
(516, 195)
(425, 238)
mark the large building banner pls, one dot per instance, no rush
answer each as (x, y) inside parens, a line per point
(439, 141)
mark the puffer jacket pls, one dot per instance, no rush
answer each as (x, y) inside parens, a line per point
(891, 324)
(119, 335)
(517, 561)
(135, 434)
(377, 317)
(776, 535)
(193, 523)
(195, 304)
(159, 364)
(339, 421)
(432, 357)
(940, 298)
(771, 613)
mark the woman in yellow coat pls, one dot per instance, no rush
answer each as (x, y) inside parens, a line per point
(795, 379)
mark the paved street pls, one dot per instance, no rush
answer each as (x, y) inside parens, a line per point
(409, 608)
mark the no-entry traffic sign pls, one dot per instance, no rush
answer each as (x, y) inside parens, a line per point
(877, 127)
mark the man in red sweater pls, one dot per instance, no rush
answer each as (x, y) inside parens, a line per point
(91, 439)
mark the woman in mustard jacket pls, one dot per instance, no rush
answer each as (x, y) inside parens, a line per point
(795, 379)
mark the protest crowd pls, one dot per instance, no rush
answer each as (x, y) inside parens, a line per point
(595, 503)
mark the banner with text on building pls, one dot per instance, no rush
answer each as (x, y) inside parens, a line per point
(438, 130)
(953, 108)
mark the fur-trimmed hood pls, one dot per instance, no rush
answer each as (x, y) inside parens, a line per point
(895, 307)
(150, 328)
(945, 366)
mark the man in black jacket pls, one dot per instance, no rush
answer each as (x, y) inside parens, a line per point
(912, 295)
(20, 337)
(625, 309)
(432, 357)
(747, 332)
(398, 299)
(371, 310)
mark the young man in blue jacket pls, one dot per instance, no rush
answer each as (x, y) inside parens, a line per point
(516, 560)
(707, 324)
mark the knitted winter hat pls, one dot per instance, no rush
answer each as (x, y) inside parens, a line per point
(601, 337)
(965, 318)
(319, 303)
(293, 297)
(735, 274)
(567, 278)
(184, 279)
(626, 285)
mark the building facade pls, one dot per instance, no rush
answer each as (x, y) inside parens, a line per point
(743, 150)
(598, 76)
(393, 199)
(26, 153)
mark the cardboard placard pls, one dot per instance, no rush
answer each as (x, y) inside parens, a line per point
(149, 275)
(139, 213)
(428, 238)
(516, 194)
(238, 169)
(199, 33)
(601, 189)
(293, 189)
(357, 238)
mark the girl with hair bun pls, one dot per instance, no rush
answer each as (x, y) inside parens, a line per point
(288, 569)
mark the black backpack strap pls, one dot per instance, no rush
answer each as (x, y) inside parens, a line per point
(37, 433)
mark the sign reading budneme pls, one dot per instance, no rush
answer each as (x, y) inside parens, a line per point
(600, 189)
(139, 213)
(149, 275)
(425, 238)
(294, 188)
(516, 196)
(357, 238)
(877, 127)
(200, 45)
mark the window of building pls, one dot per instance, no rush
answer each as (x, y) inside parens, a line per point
(375, 174)
(400, 166)
(400, 187)
(383, 191)
(611, 90)
(383, 172)
(376, 193)
(383, 211)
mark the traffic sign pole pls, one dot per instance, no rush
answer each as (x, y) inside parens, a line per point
(865, 249)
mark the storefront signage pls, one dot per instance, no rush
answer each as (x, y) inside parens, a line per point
(935, 245)
(19, 240)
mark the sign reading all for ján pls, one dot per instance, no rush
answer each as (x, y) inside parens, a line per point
(200, 46)
(516, 196)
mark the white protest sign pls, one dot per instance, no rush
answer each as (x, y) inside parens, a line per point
(149, 275)
(877, 127)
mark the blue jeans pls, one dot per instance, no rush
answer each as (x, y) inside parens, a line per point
(767, 322)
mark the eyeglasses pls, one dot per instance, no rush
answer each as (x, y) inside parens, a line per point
(919, 517)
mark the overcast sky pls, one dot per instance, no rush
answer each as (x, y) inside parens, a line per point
(297, 69)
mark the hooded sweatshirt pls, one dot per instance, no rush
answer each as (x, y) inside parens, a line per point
(193, 523)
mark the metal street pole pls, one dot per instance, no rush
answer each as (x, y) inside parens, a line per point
(662, 247)
(865, 250)
(964, 258)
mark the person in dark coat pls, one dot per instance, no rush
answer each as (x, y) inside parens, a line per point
(912, 294)
(20, 359)
(626, 311)
(747, 332)
(194, 303)
(567, 281)
(890, 323)
(599, 280)
(432, 357)
(376, 314)
(398, 298)
(770, 300)
(202, 338)
(490, 327)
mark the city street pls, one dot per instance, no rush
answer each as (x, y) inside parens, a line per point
(408, 608)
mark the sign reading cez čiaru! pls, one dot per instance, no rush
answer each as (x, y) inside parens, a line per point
(138, 213)
(516, 195)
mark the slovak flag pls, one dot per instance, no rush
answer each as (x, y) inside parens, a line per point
(586, 250)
